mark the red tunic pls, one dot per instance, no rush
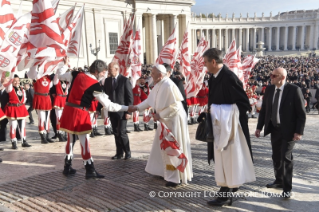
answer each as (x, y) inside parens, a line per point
(193, 101)
(202, 96)
(15, 108)
(41, 99)
(139, 95)
(61, 94)
(75, 120)
(2, 115)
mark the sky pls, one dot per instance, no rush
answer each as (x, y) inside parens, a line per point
(252, 6)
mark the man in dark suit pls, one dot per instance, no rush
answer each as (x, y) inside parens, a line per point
(29, 93)
(119, 90)
(177, 79)
(225, 88)
(283, 115)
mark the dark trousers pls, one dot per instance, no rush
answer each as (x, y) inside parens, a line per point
(3, 129)
(53, 120)
(119, 129)
(30, 109)
(282, 158)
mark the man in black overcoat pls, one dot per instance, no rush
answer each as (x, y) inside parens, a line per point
(119, 90)
(225, 88)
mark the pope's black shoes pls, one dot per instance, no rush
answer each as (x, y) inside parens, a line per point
(91, 172)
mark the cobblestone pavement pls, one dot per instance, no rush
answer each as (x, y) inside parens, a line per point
(31, 179)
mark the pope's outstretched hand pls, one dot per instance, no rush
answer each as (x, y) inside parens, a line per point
(132, 108)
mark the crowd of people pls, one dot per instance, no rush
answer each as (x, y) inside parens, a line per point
(72, 100)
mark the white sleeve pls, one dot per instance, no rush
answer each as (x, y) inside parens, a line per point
(65, 77)
(142, 106)
(32, 73)
(25, 96)
(107, 104)
(9, 88)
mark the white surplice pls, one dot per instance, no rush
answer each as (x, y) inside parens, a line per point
(233, 162)
(166, 99)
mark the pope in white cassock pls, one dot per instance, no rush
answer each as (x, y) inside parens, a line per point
(173, 164)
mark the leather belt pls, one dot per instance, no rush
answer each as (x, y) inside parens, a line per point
(15, 105)
(62, 95)
(76, 106)
(42, 94)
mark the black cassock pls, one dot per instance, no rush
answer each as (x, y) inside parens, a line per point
(226, 88)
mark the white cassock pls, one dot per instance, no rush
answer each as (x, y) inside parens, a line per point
(166, 99)
(233, 163)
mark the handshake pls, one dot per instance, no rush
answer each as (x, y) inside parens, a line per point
(132, 108)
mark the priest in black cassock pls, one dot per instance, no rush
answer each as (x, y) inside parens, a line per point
(225, 90)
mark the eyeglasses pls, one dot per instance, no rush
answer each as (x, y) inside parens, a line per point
(274, 75)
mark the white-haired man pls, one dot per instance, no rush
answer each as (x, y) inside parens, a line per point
(169, 158)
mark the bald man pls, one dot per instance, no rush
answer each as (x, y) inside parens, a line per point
(283, 115)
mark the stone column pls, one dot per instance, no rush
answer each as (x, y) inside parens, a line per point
(277, 38)
(247, 40)
(154, 38)
(254, 39)
(219, 39)
(213, 38)
(269, 39)
(233, 35)
(310, 42)
(316, 36)
(294, 38)
(241, 37)
(208, 38)
(194, 40)
(302, 42)
(262, 34)
(226, 39)
(286, 38)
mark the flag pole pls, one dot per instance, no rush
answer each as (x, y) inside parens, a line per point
(80, 43)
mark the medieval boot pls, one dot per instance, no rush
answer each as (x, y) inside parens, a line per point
(60, 137)
(49, 139)
(96, 133)
(107, 131)
(155, 125)
(25, 143)
(135, 128)
(68, 170)
(138, 128)
(43, 138)
(14, 144)
(91, 172)
(149, 128)
(145, 127)
(92, 134)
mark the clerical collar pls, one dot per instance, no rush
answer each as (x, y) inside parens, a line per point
(215, 75)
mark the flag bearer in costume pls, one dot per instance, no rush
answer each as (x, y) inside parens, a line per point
(147, 116)
(62, 88)
(202, 98)
(42, 102)
(252, 96)
(139, 96)
(16, 111)
(76, 120)
(94, 116)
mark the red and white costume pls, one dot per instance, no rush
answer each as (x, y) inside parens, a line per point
(93, 114)
(202, 98)
(41, 100)
(62, 88)
(147, 116)
(2, 115)
(139, 96)
(252, 100)
(75, 118)
(16, 112)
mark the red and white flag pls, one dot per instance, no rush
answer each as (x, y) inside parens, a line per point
(45, 37)
(172, 148)
(73, 34)
(14, 40)
(248, 64)
(122, 54)
(168, 52)
(49, 66)
(198, 70)
(136, 58)
(183, 57)
(231, 59)
(65, 19)
(6, 18)
(240, 72)
(55, 4)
